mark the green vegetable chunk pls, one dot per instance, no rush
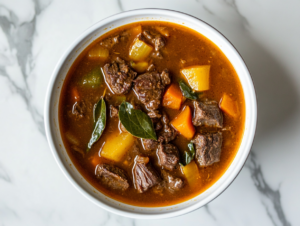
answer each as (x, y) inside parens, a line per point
(188, 155)
(94, 78)
(100, 122)
(136, 122)
(187, 91)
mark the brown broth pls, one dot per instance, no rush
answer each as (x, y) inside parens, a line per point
(183, 43)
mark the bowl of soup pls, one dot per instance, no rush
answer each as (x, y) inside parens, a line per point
(150, 113)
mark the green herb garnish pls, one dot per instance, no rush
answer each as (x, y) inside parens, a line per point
(187, 91)
(100, 122)
(188, 155)
(136, 122)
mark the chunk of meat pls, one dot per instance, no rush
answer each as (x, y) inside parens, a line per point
(119, 76)
(112, 176)
(113, 111)
(151, 68)
(159, 42)
(157, 55)
(79, 109)
(208, 148)
(207, 115)
(173, 183)
(168, 156)
(156, 39)
(149, 88)
(144, 175)
(154, 114)
(165, 77)
(158, 126)
(110, 42)
(149, 144)
(168, 133)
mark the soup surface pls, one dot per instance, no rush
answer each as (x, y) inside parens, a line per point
(152, 113)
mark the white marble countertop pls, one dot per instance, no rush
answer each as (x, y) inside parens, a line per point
(35, 33)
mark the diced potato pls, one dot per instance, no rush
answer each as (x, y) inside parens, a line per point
(197, 76)
(140, 50)
(229, 106)
(98, 52)
(139, 66)
(191, 173)
(136, 31)
(116, 146)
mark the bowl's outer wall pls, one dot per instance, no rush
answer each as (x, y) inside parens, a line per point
(52, 120)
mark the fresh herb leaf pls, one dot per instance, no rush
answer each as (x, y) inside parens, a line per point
(187, 91)
(136, 122)
(189, 155)
(100, 122)
(94, 78)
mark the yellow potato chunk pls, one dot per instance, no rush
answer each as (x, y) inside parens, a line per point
(98, 52)
(139, 50)
(139, 66)
(197, 76)
(116, 146)
(135, 31)
(191, 173)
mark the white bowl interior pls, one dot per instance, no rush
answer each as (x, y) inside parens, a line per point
(52, 103)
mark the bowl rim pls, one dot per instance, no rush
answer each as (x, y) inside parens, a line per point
(49, 95)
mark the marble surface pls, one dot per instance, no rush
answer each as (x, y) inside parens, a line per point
(35, 33)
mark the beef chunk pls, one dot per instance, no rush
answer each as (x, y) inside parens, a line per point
(207, 114)
(149, 88)
(144, 175)
(110, 42)
(113, 111)
(159, 42)
(151, 68)
(112, 176)
(158, 126)
(208, 148)
(173, 183)
(79, 109)
(149, 144)
(119, 76)
(165, 77)
(168, 133)
(168, 156)
(154, 114)
(157, 55)
(156, 39)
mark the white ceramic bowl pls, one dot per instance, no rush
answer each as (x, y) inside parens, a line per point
(52, 102)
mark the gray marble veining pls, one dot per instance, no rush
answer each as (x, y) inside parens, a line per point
(270, 197)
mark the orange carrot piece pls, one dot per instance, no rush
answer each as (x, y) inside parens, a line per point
(75, 94)
(183, 123)
(172, 97)
(229, 106)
